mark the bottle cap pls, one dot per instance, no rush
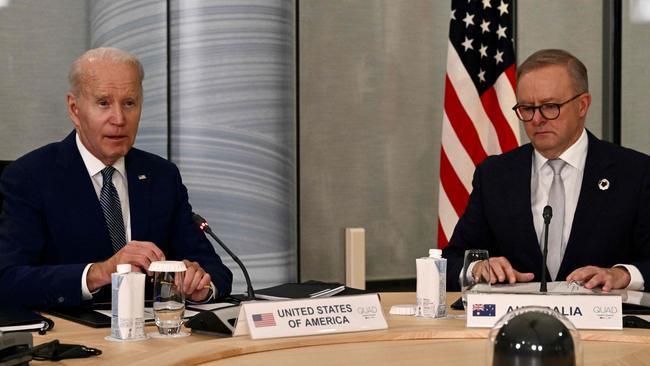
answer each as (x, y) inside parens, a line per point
(123, 268)
(167, 266)
(435, 253)
(402, 309)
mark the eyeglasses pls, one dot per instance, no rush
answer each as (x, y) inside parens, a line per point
(548, 110)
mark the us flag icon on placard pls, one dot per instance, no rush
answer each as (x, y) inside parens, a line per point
(264, 320)
(484, 310)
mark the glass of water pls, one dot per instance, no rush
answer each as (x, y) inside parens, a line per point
(168, 297)
(475, 275)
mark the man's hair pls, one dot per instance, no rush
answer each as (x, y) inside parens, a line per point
(77, 72)
(548, 57)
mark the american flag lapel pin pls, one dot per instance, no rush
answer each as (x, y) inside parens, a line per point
(142, 177)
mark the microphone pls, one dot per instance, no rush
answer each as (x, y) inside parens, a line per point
(203, 226)
(547, 214)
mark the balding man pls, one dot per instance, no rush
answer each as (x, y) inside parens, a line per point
(75, 209)
(599, 192)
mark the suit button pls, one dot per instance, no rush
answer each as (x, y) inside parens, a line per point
(60, 300)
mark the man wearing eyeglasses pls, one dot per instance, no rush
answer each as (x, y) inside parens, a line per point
(598, 193)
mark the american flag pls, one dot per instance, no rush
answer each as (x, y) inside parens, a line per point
(264, 320)
(479, 94)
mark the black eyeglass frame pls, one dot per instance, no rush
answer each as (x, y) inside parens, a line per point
(539, 107)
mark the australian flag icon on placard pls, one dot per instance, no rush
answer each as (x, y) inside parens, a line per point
(484, 310)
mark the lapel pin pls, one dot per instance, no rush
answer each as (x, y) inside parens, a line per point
(143, 177)
(603, 184)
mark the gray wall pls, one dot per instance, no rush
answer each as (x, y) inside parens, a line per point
(371, 94)
(371, 81)
(233, 129)
(635, 114)
(576, 26)
(38, 41)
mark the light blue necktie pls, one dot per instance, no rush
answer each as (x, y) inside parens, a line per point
(110, 201)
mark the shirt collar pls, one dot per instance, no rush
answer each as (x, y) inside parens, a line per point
(94, 165)
(575, 155)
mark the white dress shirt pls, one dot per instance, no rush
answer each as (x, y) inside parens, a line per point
(540, 185)
(94, 167)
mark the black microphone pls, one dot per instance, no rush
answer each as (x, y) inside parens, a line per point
(547, 214)
(203, 225)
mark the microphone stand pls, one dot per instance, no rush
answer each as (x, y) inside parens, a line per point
(547, 215)
(203, 225)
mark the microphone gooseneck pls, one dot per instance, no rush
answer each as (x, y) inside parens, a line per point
(547, 214)
(203, 226)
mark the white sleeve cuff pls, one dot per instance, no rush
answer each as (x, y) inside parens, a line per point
(211, 296)
(470, 268)
(85, 292)
(636, 278)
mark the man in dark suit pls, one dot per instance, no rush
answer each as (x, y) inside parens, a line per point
(75, 209)
(603, 219)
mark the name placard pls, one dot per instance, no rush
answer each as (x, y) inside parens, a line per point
(585, 311)
(290, 318)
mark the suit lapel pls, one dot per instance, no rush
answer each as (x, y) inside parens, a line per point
(519, 197)
(139, 178)
(79, 198)
(591, 202)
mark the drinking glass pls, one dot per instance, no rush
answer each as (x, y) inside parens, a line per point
(168, 297)
(475, 275)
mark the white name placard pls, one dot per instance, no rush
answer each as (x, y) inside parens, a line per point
(290, 318)
(585, 311)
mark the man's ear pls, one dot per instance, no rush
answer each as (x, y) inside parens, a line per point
(73, 109)
(585, 102)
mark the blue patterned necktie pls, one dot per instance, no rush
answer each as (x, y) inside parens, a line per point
(110, 202)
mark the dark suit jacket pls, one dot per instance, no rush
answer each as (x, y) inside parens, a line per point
(609, 227)
(52, 224)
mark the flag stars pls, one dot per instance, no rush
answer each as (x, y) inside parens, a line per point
(501, 32)
(483, 51)
(486, 4)
(469, 20)
(485, 26)
(498, 57)
(503, 8)
(468, 44)
(481, 75)
(453, 14)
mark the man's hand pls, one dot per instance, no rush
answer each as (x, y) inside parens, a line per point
(139, 254)
(609, 278)
(197, 282)
(499, 269)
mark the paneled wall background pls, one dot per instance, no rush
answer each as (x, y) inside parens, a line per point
(221, 99)
(225, 72)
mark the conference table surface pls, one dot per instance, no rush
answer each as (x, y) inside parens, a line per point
(407, 341)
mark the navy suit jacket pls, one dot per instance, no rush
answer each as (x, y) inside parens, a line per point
(52, 224)
(610, 226)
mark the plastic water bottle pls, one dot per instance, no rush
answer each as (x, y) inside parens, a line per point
(431, 291)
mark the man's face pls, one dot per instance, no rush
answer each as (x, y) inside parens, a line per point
(107, 110)
(552, 84)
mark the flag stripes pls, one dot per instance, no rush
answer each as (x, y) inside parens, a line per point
(479, 94)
